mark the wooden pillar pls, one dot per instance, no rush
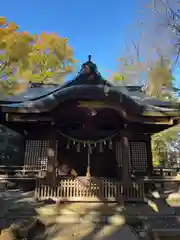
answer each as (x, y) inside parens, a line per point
(51, 154)
(88, 173)
(118, 152)
(126, 159)
(149, 155)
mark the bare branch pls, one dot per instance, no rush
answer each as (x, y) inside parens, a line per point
(129, 53)
(136, 47)
(4, 66)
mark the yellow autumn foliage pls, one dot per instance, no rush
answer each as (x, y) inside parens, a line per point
(43, 57)
(3, 21)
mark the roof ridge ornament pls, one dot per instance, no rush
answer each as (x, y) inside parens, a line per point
(89, 58)
(89, 73)
(89, 67)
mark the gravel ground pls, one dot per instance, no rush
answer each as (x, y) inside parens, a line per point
(84, 221)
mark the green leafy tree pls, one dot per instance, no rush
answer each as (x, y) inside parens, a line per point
(160, 145)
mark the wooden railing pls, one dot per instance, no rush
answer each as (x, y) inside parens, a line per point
(89, 189)
(93, 189)
(34, 169)
(163, 172)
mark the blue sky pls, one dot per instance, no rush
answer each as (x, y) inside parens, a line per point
(95, 27)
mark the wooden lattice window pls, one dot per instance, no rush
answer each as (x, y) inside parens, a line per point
(139, 159)
(36, 154)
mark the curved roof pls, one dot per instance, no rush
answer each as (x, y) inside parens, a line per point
(88, 85)
(30, 94)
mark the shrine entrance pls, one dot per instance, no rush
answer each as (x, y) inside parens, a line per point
(103, 163)
(95, 160)
(85, 137)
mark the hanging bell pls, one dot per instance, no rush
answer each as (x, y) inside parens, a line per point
(74, 142)
(104, 142)
(84, 144)
(95, 144)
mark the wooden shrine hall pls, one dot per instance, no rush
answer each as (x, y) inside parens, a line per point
(86, 140)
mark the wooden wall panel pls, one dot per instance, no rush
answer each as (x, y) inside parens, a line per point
(140, 152)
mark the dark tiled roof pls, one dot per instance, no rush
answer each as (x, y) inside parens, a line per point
(86, 86)
(31, 94)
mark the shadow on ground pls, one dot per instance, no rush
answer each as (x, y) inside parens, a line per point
(84, 221)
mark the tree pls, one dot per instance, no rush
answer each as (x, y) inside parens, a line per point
(160, 80)
(148, 61)
(130, 66)
(159, 83)
(119, 79)
(51, 58)
(14, 49)
(162, 21)
(27, 57)
(167, 25)
(161, 143)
